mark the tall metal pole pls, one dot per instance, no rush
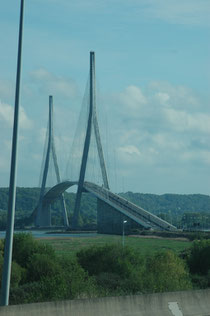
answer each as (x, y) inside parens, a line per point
(12, 188)
(123, 234)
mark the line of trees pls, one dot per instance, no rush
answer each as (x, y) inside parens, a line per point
(184, 211)
(38, 274)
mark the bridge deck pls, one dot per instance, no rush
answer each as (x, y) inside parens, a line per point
(129, 209)
(136, 213)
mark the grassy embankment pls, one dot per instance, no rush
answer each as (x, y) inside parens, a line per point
(144, 246)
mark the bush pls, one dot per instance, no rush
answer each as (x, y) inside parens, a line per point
(48, 277)
(17, 272)
(166, 272)
(25, 246)
(53, 280)
(77, 281)
(108, 258)
(44, 276)
(199, 257)
(117, 270)
(201, 281)
(42, 266)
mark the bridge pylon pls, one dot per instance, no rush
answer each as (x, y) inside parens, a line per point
(43, 214)
(92, 126)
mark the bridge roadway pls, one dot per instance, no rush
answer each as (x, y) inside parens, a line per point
(129, 209)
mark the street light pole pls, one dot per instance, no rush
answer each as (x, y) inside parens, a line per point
(12, 188)
(123, 236)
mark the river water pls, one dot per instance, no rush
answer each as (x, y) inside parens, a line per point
(44, 234)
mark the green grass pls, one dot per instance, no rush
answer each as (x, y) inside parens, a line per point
(144, 246)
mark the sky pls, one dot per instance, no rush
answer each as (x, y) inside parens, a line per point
(153, 79)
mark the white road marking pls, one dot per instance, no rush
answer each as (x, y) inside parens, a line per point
(174, 308)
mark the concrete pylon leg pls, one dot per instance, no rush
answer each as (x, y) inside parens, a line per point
(43, 216)
(86, 144)
(92, 120)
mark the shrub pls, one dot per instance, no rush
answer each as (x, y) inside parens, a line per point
(116, 269)
(62, 279)
(77, 281)
(25, 246)
(42, 266)
(165, 271)
(17, 272)
(26, 293)
(1, 247)
(199, 257)
(201, 281)
(120, 270)
(108, 258)
(44, 276)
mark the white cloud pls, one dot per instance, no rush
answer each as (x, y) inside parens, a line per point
(133, 98)
(176, 96)
(42, 135)
(37, 157)
(4, 163)
(130, 150)
(189, 12)
(53, 84)
(7, 114)
(168, 133)
(162, 97)
(25, 122)
(154, 128)
(128, 155)
(167, 141)
(6, 126)
(6, 89)
(183, 121)
(205, 156)
(201, 157)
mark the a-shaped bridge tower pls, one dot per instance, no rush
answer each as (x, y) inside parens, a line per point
(92, 127)
(43, 215)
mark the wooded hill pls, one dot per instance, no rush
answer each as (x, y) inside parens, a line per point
(176, 208)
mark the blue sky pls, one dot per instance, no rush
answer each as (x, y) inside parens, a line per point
(153, 73)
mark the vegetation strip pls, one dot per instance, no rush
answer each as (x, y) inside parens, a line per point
(57, 269)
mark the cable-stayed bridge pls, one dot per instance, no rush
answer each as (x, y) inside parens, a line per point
(112, 209)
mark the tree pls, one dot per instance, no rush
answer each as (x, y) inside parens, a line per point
(117, 270)
(25, 246)
(41, 266)
(17, 272)
(199, 257)
(3, 220)
(39, 275)
(165, 271)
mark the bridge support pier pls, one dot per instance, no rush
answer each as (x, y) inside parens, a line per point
(110, 221)
(44, 220)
